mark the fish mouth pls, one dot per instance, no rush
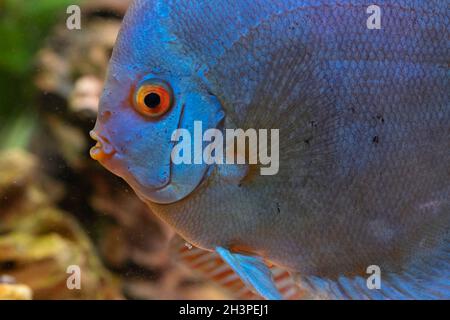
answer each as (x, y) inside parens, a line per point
(102, 149)
(104, 152)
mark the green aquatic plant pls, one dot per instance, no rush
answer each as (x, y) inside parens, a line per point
(24, 26)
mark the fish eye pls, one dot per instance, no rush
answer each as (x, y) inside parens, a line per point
(153, 98)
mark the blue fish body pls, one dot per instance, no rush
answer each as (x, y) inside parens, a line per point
(364, 122)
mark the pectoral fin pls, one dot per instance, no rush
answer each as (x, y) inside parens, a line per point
(253, 271)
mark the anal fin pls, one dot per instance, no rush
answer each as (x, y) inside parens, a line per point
(211, 266)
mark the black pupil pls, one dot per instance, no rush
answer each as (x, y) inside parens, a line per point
(152, 100)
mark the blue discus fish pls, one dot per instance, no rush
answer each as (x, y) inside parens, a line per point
(364, 138)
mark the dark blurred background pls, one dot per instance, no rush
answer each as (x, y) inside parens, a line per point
(57, 206)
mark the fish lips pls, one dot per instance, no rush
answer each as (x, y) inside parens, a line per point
(103, 149)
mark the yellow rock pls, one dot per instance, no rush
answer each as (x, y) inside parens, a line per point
(39, 242)
(15, 292)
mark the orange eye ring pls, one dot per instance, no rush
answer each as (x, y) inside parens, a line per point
(153, 99)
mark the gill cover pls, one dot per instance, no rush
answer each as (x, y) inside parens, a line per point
(184, 177)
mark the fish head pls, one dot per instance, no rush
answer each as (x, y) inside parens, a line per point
(151, 91)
